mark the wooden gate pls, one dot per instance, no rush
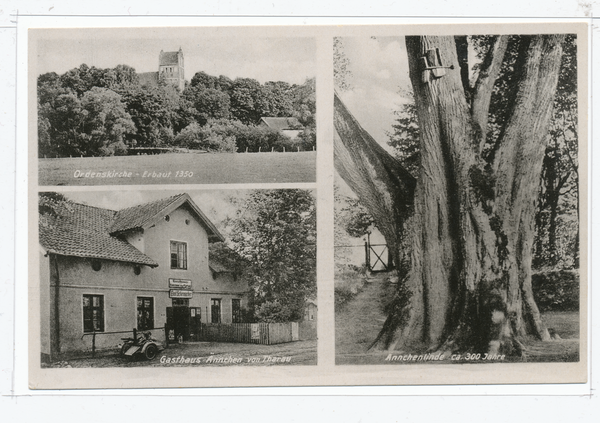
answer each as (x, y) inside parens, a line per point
(378, 257)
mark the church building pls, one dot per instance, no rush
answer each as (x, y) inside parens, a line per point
(171, 69)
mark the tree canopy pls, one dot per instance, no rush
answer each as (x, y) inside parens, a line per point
(275, 232)
(156, 114)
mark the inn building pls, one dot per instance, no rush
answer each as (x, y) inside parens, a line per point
(142, 267)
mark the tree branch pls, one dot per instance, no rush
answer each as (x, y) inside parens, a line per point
(384, 187)
(518, 160)
(488, 73)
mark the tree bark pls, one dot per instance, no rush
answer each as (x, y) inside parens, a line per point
(471, 236)
(377, 178)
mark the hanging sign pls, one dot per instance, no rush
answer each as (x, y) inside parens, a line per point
(180, 283)
(180, 293)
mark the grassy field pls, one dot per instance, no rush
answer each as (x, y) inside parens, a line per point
(215, 168)
(359, 320)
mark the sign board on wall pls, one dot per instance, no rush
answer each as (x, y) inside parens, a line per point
(180, 293)
(180, 283)
(255, 331)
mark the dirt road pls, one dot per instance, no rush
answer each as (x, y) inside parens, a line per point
(210, 354)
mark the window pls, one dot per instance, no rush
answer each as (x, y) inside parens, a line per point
(145, 313)
(236, 310)
(215, 310)
(178, 255)
(93, 313)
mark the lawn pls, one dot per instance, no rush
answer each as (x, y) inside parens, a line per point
(180, 168)
(359, 320)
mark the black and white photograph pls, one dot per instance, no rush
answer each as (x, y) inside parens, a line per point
(127, 106)
(170, 279)
(457, 199)
(175, 192)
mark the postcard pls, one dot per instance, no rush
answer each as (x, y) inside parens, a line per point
(307, 206)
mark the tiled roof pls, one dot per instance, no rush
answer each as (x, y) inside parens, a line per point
(168, 58)
(217, 266)
(135, 217)
(282, 123)
(82, 231)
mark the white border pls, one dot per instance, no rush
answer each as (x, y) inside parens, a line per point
(331, 408)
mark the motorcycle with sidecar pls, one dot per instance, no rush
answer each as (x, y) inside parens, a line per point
(143, 345)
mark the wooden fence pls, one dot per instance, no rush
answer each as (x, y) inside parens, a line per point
(257, 333)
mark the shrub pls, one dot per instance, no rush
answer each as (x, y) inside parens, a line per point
(206, 138)
(273, 312)
(556, 290)
(349, 281)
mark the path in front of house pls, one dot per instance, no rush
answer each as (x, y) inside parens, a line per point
(210, 354)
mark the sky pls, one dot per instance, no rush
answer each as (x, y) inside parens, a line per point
(379, 69)
(379, 73)
(212, 50)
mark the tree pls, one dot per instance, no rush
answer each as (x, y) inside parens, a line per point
(105, 123)
(303, 99)
(247, 100)
(151, 113)
(278, 99)
(559, 198)
(206, 138)
(209, 103)
(353, 216)
(468, 221)
(122, 76)
(275, 231)
(94, 125)
(204, 80)
(404, 137)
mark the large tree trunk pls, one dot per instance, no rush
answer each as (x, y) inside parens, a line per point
(472, 232)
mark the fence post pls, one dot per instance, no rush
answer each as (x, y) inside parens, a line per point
(94, 344)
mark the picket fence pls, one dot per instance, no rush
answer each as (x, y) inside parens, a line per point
(258, 333)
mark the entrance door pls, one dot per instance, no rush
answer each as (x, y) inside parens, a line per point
(184, 323)
(178, 321)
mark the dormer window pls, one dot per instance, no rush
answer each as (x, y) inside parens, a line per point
(178, 255)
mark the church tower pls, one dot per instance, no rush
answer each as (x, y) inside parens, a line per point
(171, 68)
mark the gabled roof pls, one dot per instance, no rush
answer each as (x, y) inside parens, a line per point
(281, 123)
(135, 217)
(82, 231)
(168, 58)
(146, 215)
